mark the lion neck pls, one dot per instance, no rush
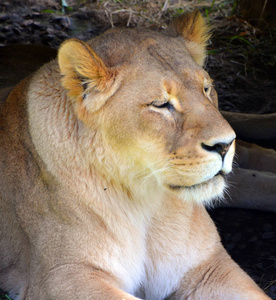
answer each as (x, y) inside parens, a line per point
(77, 156)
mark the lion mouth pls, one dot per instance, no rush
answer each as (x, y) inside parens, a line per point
(181, 187)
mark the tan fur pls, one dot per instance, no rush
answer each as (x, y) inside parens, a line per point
(102, 188)
(253, 127)
(253, 181)
(195, 32)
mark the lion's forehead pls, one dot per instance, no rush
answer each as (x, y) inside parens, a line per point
(155, 57)
(116, 47)
(172, 57)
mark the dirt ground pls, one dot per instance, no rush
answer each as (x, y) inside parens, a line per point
(242, 61)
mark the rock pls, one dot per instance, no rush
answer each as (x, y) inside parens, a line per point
(267, 227)
(253, 239)
(268, 235)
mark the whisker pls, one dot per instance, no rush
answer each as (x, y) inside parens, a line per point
(153, 173)
(151, 166)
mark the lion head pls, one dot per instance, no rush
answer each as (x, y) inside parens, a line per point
(141, 109)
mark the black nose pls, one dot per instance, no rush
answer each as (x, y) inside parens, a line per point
(220, 148)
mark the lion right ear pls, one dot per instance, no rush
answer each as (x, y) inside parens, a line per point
(85, 73)
(193, 28)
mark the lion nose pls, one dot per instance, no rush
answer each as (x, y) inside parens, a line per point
(220, 148)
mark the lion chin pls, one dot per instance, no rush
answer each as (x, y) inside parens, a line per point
(207, 192)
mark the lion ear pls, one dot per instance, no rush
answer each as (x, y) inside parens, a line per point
(196, 33)
(84, 73)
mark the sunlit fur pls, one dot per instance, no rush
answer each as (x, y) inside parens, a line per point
(196, 33)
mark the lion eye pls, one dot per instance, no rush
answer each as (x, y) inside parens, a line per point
(207, 91)
(163, 105)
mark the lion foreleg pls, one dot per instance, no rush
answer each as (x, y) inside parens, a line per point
(253, 184)
(252, 189)
(252, 126)
(254, 157)
(70, 282)
(220, 278)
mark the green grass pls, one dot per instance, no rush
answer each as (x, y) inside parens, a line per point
(5, 297)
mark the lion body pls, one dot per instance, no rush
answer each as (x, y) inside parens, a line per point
(106, 162)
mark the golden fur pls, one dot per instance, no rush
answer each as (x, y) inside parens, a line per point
(108, 155)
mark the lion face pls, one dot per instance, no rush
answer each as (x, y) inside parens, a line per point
(155, 107)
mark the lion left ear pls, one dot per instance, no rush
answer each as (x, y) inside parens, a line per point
(196, 33)
(85, 73)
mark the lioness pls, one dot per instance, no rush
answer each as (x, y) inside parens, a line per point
(108, 155)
